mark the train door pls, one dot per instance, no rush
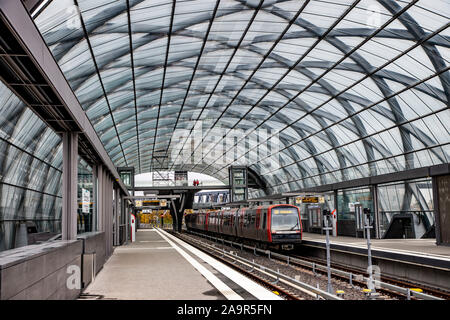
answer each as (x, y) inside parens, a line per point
(241, 223)
(236, 222)
(263, 234)
(258, 223)
(315, 219)
(221, 221)
(252, 231)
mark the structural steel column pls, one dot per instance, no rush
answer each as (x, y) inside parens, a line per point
(109, 214)
(127, 221)
(95, 198)
(335, 196)
(108, 207)
(100, 198)
(376, 214)
(441, 203)
(70, 185)
(117, 217)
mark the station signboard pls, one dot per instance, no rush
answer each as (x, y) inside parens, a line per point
(85, 200)
(310, 200)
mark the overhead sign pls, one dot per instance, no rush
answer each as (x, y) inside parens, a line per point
(310, 200)
(162, 203)
(138, 203)
(85, 200)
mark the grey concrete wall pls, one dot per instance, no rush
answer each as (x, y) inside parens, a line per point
(93, 252)
(39, 271)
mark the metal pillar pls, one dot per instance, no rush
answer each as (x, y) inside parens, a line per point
(117, 217)
(374, 191)
(70, 185)
(127, 221)
(367, 227)
(100, 198)
(335, 196)
(109, 215)
(327, 228)
(95, 198)
(437, 217)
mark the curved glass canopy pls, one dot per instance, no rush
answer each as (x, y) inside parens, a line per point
(304, 92)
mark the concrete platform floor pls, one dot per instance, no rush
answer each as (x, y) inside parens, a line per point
(425, 247)
(159, 266)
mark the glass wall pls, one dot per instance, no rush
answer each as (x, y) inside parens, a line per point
(350, 203)
(87, 213)
(412, 197)
(30, 175)
(347, 199)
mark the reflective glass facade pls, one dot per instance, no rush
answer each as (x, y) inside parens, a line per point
(306, 93)
(350, 88)
(30, 171)
(406, 197)
(87, 213)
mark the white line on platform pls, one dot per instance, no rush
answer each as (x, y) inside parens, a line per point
(216, 282)
(137, 248)
(249, 285)
(391, 250)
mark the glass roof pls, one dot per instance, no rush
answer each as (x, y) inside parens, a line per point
(304, 92)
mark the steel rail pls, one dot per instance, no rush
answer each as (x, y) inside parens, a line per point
(297, 284)
(315, 266)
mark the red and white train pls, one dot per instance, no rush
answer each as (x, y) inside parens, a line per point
(268, 226)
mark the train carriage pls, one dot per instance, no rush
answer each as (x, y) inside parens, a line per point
(274, 225)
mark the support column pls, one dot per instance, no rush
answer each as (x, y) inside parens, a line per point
(70, 185)
(374, 191)
(109, 215)
(441, 203)
(95, 198)
(117, 212)
(335, 196)
(100, 198)
(127, 221)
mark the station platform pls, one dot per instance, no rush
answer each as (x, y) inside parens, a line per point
(421, 248)
(412, 260)
(159, 266)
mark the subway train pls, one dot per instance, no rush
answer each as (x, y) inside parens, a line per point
(273, 226)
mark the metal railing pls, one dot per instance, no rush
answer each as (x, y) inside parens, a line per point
(318, 267)
(304, 287)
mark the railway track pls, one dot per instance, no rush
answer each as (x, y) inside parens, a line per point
(286, 287)
(396, 282)
(387, 286)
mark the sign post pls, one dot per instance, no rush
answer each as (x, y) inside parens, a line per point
(327, 228)
(367, 226)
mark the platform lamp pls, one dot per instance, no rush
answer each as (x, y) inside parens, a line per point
(327, 227)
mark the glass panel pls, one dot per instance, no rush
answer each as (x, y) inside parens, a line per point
(87, 213)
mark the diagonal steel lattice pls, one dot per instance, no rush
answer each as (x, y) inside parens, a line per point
(350, 88)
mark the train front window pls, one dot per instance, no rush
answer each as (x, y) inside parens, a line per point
(285, 219)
